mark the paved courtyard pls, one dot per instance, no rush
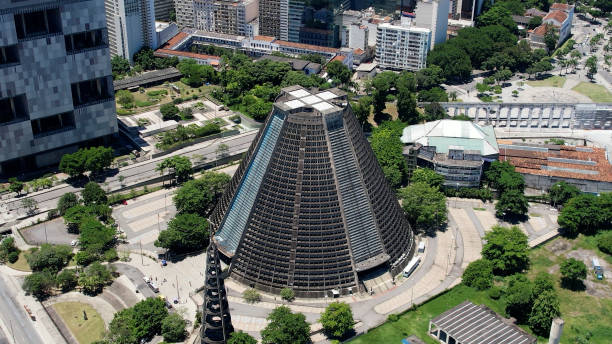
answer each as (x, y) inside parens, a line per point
(52, 232)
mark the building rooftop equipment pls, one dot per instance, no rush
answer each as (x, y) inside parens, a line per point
(446, 133)
(468, 323)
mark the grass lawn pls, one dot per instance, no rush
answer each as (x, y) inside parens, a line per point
(553, 81)
(145, 102)
(85, 331)
(581, 311)
(597, 93)
(21, 264)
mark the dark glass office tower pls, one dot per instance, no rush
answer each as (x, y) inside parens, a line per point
(309, 207)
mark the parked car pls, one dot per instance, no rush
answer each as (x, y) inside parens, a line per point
(597, 269)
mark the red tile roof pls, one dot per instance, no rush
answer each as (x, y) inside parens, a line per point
(562, 7)
(540, 30)
(307, 46)
(338, 58)
(533, 162)
(163, 52)
(264, 38)
(175, 40)
(358, 51)
(558, 16)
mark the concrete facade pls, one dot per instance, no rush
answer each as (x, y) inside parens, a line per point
(536, 115)
(433, 15)
(163, 9)
(56, 89)
(131, 26)
(402, 47)
(228, 17)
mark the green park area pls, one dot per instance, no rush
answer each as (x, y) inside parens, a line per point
(553, 81)
(597, 93)
(587, 313)
(85, 331)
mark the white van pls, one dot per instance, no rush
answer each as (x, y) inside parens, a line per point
(414, 262)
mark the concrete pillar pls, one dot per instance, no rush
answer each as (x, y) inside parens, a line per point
(556, 330)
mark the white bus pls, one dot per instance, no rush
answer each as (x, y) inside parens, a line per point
(414, 262)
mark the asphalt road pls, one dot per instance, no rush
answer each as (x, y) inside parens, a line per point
(143, 171)
(14, 315)
(136, 277)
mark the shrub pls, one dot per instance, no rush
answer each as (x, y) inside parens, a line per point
(53, 213)
(573, 271)
(169, 111)
(66, 280)
(111, 255)
(287, 294)
(478, 274)
(251, 296)
(495, 293)
(604, 242)
(13, 257)
(393, 317)
(337, 320)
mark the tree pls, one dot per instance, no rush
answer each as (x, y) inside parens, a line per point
(125, 98)
(434, 111)
(94, 195)
(240, 337)
(429, 77)
(142, 321)
(503, 75)
(424, 206)
(543, 282)
(287, 294)
(119, 66)
(29, 204)
(286, 328)
(573, 271)
(8, 248)
(169, 112)
(67, 201)
(95, 236)
(388, 150)
(478, 274)
(382, 84)
(494, 173)
(97, 158)
(507, 249)
(180, 165)
(591, 65)
(49, 258)
(561, 192)
(259, 110)
(121, 328)
(16, 186)
(66, 280)
(39, 284)
(73, 164)
(251, 296)
(196, 74)
(534, 22)
(585, 214)
(497, 15)
(454, 61)
(427, 176)
(545, 308)
(200, 195)
(511, 203)
(362, 109)
(519, 297)
(173, 328)
(337, 319)
(338, 71)
(185, 233)
(94, 278)
(406, 100)
(435, 94)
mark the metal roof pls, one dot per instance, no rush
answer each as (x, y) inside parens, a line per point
(148, 77)
(471, 324)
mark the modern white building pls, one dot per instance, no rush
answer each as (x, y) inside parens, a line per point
(401, 47)
(131, 26)
(358, 36)
(433, 15)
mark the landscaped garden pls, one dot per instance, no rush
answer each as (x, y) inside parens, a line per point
(553, 81)
(82, 319)
(587, 313)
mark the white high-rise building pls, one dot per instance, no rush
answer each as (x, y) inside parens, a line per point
(433, 15)
(401, 47)
(131, 26)
(226, 16)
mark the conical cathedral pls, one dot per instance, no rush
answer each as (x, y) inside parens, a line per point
(309, 207)
(216, 319)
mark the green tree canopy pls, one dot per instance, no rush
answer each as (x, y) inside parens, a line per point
(95, 236)
(424, 206)
(573, 271)
(67, 201)
(561, 192)
(478, 274)
(586, 213)
(454, 61)
(507, 249)
(142, 321)
(286, 328)
(66, 279)
(430, 77)
(338, 71)
(406, 99)
(15, 186)
(511, 203)
(185, 233)
(180, 166)
(39, 284)
(434, 111)
(388, 150)
(497, 15)
(240, 337)
(169, 111)
(200, 195)
(337, 319)
(94, 278)
(435, 94)
(543, 282)
(173, 328)
(519, 297)
(119, 66)
(545, 308)
(362, 109)
(49, 258)
(427, 176)
(94, 195)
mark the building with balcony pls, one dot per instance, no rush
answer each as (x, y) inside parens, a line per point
(309, 207)
(457, 150)
(131, 27)
(56, 88)
(402, 47)
(226, 16)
